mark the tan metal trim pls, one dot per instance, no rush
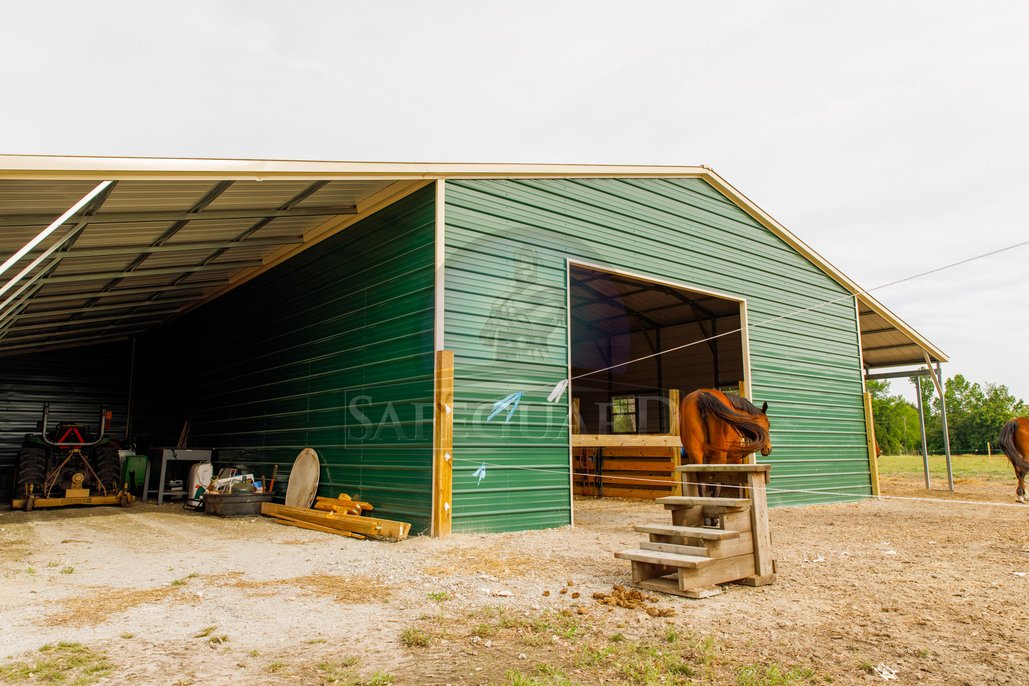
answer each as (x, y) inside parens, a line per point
(439, 285)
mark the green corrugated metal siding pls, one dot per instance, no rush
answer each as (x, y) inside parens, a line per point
(506, 245)
(331, 350)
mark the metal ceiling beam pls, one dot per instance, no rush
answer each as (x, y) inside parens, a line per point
(872, 332)
(14, 340)
(43, 314)
(66, 343)
(181, 247)
(121, 292)
(12, 220)
(156, 316)
(142, 273)
(896, 346)
(603, 297)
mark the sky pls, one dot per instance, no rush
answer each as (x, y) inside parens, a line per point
(890, 137)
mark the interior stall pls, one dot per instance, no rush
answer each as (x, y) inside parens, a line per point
(637, 347)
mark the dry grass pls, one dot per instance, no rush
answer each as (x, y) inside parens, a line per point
(464, 561)
(347, 590)
(96, 604)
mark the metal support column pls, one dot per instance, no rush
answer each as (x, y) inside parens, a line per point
(921, 426)
(937, 378)
(946, 433)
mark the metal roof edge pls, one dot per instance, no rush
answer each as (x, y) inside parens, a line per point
(72, 167)
(808, 252)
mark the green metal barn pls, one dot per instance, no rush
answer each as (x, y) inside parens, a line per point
(413, 324)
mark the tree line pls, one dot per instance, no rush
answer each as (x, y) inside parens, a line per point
(975, 414)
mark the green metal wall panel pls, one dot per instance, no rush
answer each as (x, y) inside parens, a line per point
(331, 350)
(506, 320)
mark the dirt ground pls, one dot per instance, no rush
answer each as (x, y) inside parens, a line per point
(935, 591)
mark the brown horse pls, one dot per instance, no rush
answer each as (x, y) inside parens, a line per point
(1014, 441)
(717, 428)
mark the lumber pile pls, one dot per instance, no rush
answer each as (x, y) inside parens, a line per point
(342, 504)
(340, 516)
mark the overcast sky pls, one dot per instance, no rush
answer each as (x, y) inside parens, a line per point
(891, 137)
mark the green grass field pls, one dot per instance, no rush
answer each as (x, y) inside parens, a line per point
(996, 467)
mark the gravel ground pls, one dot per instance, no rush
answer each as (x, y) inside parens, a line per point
(935, 591)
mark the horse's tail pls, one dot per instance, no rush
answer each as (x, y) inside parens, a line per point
(754, 435)
(1006, 441)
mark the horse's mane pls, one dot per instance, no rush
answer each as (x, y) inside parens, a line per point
(740, 416)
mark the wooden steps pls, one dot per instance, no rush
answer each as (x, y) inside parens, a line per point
(701, 532)
(656, 557)
(688, 559)
(694, 501)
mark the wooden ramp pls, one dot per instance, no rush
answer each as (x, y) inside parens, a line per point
(709, 541)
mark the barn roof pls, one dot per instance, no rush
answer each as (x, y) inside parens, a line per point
(185, 231)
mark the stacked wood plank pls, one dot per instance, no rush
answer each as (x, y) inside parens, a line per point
(688, 557)
(337, 516)
(627, 471)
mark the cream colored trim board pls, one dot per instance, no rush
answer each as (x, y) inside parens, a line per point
(30, 166)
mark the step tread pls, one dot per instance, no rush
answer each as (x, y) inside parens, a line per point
(668, 559)
(702, 532)
(699, 501)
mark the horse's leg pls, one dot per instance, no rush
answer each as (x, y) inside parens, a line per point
(1020, 491)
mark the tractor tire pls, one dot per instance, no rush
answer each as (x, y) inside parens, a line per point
(107, 466)
(31, 471)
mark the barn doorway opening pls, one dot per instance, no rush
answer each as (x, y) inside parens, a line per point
(636, 346)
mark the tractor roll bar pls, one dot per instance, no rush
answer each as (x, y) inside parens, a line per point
(104, 415)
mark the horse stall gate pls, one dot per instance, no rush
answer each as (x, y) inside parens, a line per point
(414, 324)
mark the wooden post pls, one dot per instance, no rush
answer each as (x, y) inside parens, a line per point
(673, 430)
(764, 570)
(873, 459)
(443, 445)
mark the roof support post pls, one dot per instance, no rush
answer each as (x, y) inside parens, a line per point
(937, 378)
(921, 425)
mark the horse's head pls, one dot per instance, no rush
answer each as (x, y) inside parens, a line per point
(762, 419)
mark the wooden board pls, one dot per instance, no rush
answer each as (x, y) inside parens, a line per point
(314, 527)
(368, 526)
(724, 468)
(703, 533)
(443, 445)
(667, 584)
(620, 464)
(720, 572)
(657, 557)
(624, 440)
(302, 484)
(694, 501)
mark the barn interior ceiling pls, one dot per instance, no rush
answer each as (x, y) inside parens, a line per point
(141, 252)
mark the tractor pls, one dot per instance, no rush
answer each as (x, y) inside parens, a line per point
(68, 466)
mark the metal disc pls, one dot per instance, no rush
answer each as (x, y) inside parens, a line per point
(302, 483)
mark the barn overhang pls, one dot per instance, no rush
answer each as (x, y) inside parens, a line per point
(167, 235)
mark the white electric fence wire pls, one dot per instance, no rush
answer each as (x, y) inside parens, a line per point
(787, 315)
(769, 489)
